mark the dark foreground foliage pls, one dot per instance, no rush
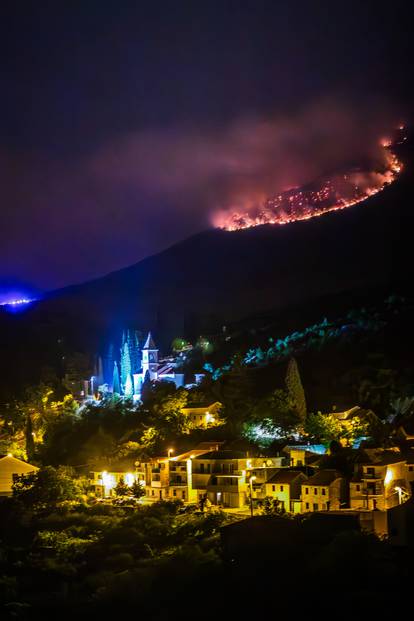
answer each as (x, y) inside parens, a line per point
(161, 561)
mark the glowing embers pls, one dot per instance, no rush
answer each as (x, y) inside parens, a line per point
(328, 194)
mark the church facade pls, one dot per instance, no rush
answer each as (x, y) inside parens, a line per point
(124, 374)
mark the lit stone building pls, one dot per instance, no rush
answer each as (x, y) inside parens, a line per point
(171, 477)
(107, 474)
(285, 486)
(208, 472)
(324, 491)
(200, 415)
(380, 480)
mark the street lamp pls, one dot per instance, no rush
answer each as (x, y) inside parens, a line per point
(251, 494)
(170, 450)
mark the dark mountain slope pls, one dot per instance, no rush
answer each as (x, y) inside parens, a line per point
(218, 277)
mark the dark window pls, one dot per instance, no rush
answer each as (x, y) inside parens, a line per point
(183, 494)
(371, 471)
(323, 491)
(273, 488)
(208, 467)
(410, 468)
(307, 505)
(358, 488)
(281, 488)
(306, 490)
(315, 506)
(174, 492)
(315, 491)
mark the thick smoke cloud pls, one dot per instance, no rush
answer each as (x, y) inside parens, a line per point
(70, 220)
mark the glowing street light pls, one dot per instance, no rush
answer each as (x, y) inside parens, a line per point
(170, 451)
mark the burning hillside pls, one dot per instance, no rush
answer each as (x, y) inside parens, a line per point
(327, 193)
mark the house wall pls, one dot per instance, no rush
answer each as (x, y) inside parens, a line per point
(376, 490)
(317, 497)
(10, 466)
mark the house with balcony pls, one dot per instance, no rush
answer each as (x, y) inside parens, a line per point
(108, 473)
(324, 491)
(171, 478)
(285, 486)
(228, 477)
(380, 480)
(203, 415)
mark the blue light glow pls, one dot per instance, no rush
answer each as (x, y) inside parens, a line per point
(13, 301)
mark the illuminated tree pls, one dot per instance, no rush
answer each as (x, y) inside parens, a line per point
(122, 489)
(137, 490)
(129, 386)
(180, 344)
(115, 380)
(295, 389)
(125, 364)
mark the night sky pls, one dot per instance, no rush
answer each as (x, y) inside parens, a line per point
(124, 125)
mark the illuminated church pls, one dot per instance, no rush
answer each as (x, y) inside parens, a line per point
(125, 374)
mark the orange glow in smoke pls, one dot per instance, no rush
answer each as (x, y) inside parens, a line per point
(329, 194)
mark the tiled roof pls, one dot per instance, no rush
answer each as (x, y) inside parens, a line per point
(323, 477)
(225, 455)
(284, 476)
(379, 456)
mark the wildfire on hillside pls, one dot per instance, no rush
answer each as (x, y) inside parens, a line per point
(328, 193)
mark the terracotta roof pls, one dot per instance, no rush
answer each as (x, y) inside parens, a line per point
(323, 477)
(379, 456)
(285, 476)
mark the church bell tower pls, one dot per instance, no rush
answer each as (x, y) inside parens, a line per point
(150, 358)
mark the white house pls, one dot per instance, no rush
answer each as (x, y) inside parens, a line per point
(10, 468)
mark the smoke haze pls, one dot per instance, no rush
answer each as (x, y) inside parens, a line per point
(140, 191)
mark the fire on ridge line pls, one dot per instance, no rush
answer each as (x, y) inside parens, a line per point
(328, 194)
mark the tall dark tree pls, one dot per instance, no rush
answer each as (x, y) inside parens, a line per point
(134, 351)
(30, 444)
(295, 389)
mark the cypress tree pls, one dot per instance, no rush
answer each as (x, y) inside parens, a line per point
(116, 388)
(125, 364)
(295, 388)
